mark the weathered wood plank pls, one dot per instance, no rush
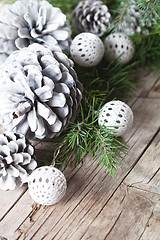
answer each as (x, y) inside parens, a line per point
(15, 217)
(133, 140)
(90, 191)
(134, 211)
(89, 203)
(8, 199)
(145, 81)
(155, 91)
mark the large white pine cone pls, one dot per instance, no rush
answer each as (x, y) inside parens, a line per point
(133, 21)
(26, 22)
(16, 160)
(91, 16)
(39, 92)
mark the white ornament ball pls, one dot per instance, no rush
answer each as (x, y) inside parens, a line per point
(47, 185)
(116, 115)
(87, 49)
(119, 46)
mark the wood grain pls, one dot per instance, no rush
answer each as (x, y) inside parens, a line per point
(97, 206)
(90, 190)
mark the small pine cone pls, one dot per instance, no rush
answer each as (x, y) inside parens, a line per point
(27, 22)
(16, 160)
(133, 22)
(91, 16)
(39, 92)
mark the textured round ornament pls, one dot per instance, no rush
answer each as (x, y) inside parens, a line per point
(25, 22)
(47, 185)
(17, 160)
(39, 92)
(91, 16)
(87, 49)
(117, 115)
(119, 47)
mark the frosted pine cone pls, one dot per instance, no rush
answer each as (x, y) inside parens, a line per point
(91, 16)
(134, 22)
(16, 160)
(24, 23)
(39, 92)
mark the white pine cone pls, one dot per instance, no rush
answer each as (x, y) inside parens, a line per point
(39, 92)
(27, 22)
(133, 22)
(16, 160)
(91, 16)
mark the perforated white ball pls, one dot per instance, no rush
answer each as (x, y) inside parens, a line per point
(87, 49)
(47, 185)
(116, 115)
(120, 47)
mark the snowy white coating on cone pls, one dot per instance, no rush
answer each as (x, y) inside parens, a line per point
(116, 115)
(25, 22)
(17, 160)
(39, 92)
(91, 16)
(87, 49)
(118, 46)
(47, 185)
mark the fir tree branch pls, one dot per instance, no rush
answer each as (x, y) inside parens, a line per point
(123, 14)
(87, 137)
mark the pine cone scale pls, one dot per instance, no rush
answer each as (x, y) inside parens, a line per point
(32, 120)
(17, 158)
(21, 43)
(24, 33)
(13, 147)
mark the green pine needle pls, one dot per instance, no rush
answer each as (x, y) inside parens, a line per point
(87, 137)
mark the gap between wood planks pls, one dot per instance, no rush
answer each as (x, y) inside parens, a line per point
(136, 186)
(79, 201)
(42, 230)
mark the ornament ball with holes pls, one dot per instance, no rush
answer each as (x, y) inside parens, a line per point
(47, 185)
(87, 49)
(116, 115)
(119, 46)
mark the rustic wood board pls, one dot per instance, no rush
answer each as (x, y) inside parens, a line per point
(97, 206)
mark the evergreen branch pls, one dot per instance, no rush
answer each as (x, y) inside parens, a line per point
(107, 80)
(123, 14)
(87, 137)
(147, 50)
(152, 9)
(108, 148)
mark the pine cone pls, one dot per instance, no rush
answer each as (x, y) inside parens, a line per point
(16, 160)
(91, 16)
(24, 23)
(39, 92)
(133, 22)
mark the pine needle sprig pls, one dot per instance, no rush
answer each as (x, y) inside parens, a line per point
(147, 50)
(86, 136)
(107, 80)
(110, 150)
(149, 6)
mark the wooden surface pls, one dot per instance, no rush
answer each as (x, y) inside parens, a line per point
(97, 206)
